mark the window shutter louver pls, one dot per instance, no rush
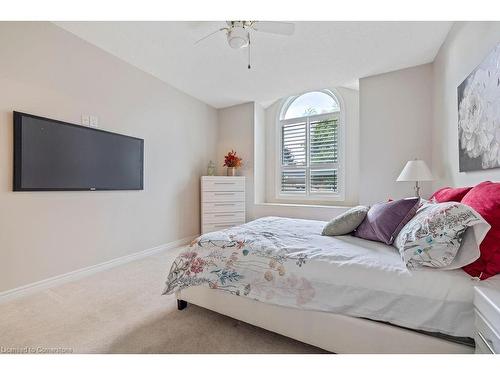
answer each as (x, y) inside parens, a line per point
(293, 144)
(324, 141)
(293, 181)
(324, 181)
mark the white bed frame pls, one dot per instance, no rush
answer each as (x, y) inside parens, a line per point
(333, 332)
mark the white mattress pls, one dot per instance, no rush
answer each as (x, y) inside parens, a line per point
(345, 275)
(368, 279)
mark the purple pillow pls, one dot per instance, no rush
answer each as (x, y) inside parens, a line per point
(384, 220)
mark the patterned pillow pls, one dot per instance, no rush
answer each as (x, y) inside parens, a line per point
(435, 234)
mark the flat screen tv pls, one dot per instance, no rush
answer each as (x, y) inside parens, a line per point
(55, 155)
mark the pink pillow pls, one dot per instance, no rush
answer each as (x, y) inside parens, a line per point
(448, 194)
(485, 199)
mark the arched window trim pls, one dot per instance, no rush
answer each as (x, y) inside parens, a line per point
(309, 196)
(287, 102)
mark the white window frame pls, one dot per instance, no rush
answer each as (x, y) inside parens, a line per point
(307, 196)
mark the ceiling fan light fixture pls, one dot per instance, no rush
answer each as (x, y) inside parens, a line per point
(238, 32)
(237, 38)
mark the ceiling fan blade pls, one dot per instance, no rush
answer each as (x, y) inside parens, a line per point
(274, 27)
(209, 35)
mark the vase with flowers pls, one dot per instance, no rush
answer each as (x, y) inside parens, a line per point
(232, 161)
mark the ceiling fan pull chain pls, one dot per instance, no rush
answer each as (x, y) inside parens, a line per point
(249, 51)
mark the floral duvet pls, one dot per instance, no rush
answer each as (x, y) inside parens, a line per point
(287, 262)
(257, 260)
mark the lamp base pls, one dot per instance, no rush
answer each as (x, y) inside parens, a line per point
(417, 189)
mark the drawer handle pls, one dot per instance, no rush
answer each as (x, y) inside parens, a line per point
(224, 193)
(224, 183)
(221, 226)
(224, 204)
(219, 215)
(488, 343)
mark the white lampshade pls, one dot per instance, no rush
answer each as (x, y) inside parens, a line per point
(415, 170)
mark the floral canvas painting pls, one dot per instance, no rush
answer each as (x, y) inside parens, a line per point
(479, 116)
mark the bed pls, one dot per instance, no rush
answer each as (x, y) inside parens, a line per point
(343, 294)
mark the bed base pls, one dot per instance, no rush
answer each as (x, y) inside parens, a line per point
(333, 332)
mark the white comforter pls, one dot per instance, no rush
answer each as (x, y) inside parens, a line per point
(287, 262)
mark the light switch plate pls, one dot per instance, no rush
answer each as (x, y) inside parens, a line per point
(86, 120)
(94, 121)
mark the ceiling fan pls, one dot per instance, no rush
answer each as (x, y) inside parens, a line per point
(238, 32)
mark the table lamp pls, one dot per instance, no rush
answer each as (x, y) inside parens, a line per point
(415, 170)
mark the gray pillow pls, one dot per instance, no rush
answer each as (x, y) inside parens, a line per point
(345, 223)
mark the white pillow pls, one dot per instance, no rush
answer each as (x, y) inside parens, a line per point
(442, 235)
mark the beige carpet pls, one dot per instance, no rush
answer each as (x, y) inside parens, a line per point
(122, 311)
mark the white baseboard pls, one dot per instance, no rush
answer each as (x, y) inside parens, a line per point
(82, 272)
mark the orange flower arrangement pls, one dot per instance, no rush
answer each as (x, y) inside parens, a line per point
(231, 160)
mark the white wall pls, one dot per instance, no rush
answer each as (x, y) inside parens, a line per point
(236, 131)
(467, 44)
(395, 126)
(260, 155)
(49, 72)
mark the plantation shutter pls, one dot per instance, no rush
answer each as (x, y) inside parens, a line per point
(323, 180)
(293, 180)
(323, 152)
(293, 154)
(293, 144)
(324, 141)
(309, 155)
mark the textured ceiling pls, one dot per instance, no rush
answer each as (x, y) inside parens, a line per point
(318, 55)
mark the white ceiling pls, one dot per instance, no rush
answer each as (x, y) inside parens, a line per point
(318, 55)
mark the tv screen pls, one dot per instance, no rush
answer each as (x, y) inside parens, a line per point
(55, 155)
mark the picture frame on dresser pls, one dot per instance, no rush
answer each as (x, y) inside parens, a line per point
(222, 202)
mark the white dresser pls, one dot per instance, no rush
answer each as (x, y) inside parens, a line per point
(222, 202)
(487, 320)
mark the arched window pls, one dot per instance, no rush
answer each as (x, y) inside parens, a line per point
(309, 128)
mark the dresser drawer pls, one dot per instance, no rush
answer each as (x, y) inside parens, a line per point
(223, 196)
(487, 301)
(223, 206)
(490, 337)
(215, 227)
(223, 217)
(224, 184)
